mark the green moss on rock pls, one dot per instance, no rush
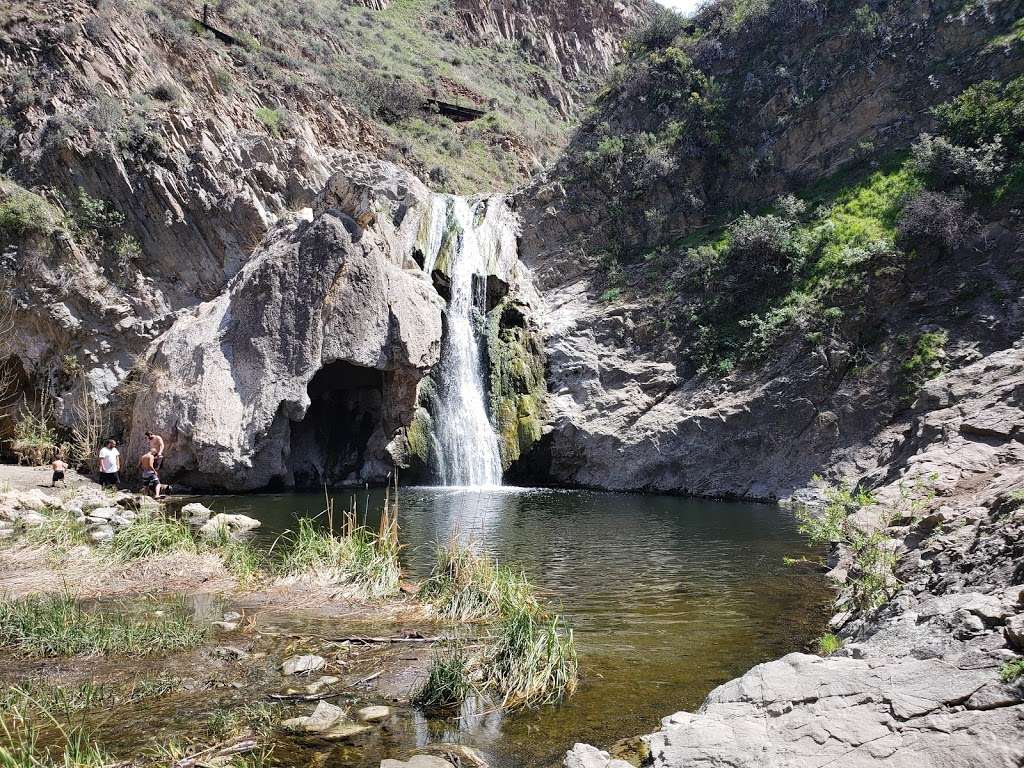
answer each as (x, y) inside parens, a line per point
(517, 385)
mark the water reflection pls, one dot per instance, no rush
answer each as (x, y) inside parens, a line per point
(668, 597)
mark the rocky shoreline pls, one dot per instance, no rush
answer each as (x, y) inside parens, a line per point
(926, 679)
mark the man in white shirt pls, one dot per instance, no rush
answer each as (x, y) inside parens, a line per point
(110, 464)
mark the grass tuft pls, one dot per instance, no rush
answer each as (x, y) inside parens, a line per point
(466, 586)
(529, 656)
(1011, 670)
(448, 682)
(148, 536)
(244, 561)
(55, 625)
(829, 644)
(359, 557)
(20, 745)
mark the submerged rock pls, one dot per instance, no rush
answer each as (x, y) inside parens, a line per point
(327, 721)
(300, 665)
(374, 714)
(417, 761)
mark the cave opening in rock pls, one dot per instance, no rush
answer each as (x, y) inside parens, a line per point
(330, 444)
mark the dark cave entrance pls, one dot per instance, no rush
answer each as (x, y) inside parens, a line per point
(330, 444)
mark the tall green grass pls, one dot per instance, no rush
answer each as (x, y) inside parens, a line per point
(56, 625)
(448, 682)
(21, 747)
(244, 561)
(148, 536)
(466, 586)
(528, 655)
(357, 556)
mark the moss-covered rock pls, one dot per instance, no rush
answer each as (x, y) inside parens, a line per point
(516, 378)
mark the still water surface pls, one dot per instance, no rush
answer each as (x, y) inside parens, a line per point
(668, 596)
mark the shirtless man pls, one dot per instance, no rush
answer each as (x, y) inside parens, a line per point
(156, 445)
(150, 479)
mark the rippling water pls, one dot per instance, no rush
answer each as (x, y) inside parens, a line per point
(668, 596)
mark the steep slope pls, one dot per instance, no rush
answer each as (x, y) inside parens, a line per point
(748, 273)
(147, 156)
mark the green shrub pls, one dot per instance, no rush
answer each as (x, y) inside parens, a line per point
(271, 118)
(926, 361)
(1011, 670)
(829, 644)
(24, 213)
(661, 31)
(984, 113)
(944, 165)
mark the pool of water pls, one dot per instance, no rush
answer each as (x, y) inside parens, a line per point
(668, 596)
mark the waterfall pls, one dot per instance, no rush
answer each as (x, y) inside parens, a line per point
(465, 242)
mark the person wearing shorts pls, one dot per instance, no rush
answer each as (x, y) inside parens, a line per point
(59, 467)
(150, 478)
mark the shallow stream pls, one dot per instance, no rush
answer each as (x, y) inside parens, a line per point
(668, 598)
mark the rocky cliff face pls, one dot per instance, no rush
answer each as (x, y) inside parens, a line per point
(149, 163)
(681, 356)
(306, 369)
(579, 41)
(916, 682)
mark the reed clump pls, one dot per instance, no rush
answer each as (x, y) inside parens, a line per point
(528, 656)
(448, 682)
(355, 555)
(56, 625)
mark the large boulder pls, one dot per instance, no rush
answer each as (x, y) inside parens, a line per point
(308, 365)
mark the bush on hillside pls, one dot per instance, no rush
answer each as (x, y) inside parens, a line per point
(944, 165)
(660, 32)
(24, 213)
(985, 112)
(936, 218)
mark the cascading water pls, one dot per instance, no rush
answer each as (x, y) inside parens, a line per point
(465, 445)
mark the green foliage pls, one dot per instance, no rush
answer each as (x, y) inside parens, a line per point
(26, 744)
(985, 113)
(55, 625)
(359, 557)
(271, 118)
(243, 560)
(944, 165)
(664, 26)
(831, 525)
(466, 586)
(24, 213)
(448, 682)
(611, 294)
(35, 436)
(530, 655)
(1011, 670)
(59, 532)
(151, 535)
(926, 361)
(829, 644)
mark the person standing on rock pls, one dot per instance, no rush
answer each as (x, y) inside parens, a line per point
(156, 445)
(59, 467)
(150, 478)
(110, 464)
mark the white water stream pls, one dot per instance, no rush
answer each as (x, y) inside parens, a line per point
(466, 446)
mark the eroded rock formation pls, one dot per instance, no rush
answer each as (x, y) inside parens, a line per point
(308, 365)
